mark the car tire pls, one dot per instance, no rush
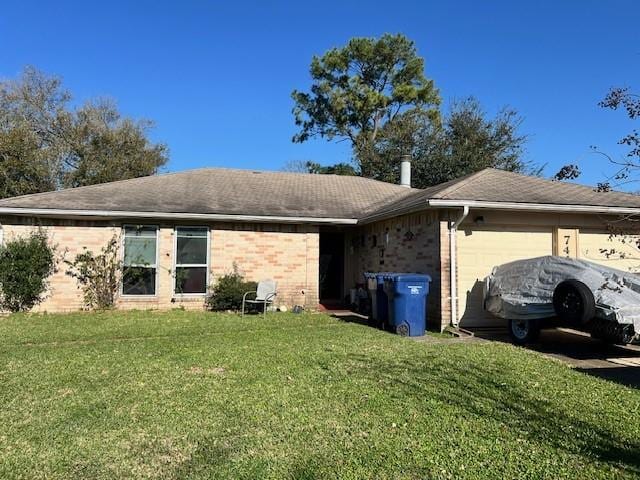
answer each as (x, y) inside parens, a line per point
(573, 302)
(524, 331)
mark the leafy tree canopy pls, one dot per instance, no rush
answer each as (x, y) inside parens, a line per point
(356, 90)
(45, 143)
(468, 142)
(465, 142)
(374, 93)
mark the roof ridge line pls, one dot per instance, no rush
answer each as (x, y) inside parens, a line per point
(465, 181)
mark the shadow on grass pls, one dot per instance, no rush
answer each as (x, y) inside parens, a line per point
(540, 420)
(352, 318)
(628, 376)
(215, 455)
(585, 354)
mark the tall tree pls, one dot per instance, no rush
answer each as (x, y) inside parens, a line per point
(359, 89)
(46, 144)
(374, 94)
(465, 142)
(468, 142)
(105, 147)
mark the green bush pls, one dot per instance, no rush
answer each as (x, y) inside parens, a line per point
(25, 266)
(98, 275)
(228, 291)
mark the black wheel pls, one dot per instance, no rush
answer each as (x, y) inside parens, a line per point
(524, 331)
(403, 330)
(573, 302)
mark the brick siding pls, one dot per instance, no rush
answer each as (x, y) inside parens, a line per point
(286, 253)
(415, 243)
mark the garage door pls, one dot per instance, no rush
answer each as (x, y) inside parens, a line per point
(482, 248)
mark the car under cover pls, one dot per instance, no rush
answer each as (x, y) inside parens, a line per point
(524, 289)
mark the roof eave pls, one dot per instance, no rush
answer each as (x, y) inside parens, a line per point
(534, 207)
(531, 207)
(376, 217)
(115, 214)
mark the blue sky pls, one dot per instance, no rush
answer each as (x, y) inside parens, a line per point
(216, 76)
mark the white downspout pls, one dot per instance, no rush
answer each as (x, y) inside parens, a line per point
(453, 264)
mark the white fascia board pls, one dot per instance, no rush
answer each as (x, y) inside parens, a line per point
(534, 207)
(52, 212)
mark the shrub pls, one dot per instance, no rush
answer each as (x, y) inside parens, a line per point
(25, 266)
(228, 291)
(98, 275)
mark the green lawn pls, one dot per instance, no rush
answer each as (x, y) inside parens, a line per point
(200, 395)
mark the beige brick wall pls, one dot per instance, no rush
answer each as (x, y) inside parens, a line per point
(409, 244)
(69, 238)
(286, 253)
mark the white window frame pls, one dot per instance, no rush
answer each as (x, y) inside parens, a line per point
(187, 265)
(157, 265)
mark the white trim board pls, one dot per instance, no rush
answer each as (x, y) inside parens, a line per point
(533, 207)
(53, 212)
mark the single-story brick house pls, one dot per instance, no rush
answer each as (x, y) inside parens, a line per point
(317, 234)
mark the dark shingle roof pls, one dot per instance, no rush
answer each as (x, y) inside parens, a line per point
(280, 194)
(228, 192)
(492, 185)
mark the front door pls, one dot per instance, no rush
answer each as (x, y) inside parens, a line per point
(331, 266)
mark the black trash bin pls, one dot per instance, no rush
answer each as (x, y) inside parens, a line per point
(379, 302)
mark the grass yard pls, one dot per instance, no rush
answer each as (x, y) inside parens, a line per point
(201, 395)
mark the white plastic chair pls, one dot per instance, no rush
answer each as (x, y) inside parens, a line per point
(264, 295)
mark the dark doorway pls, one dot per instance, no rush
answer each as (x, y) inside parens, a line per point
(331, 267)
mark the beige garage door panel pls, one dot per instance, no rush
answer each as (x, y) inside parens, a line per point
(481, 249)
(617, 252)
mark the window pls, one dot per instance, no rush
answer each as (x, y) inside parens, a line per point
(192, 260)
(140, 260)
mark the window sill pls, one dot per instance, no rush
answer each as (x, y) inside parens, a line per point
(189, 297)
(141, 298)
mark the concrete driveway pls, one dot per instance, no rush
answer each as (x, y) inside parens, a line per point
(612, 362)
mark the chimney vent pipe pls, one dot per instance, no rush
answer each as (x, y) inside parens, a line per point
(405, 171)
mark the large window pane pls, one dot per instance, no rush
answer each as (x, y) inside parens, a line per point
(139, 251)
(139, 281)
(140, 257)
(191, 260)
(191, 279)
(192, 250)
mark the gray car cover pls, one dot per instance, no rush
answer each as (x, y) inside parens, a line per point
(524, 289)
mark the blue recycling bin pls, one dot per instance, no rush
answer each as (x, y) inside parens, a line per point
(407, 297)
(379, 302)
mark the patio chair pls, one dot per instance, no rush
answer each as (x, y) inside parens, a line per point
(264, 295)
